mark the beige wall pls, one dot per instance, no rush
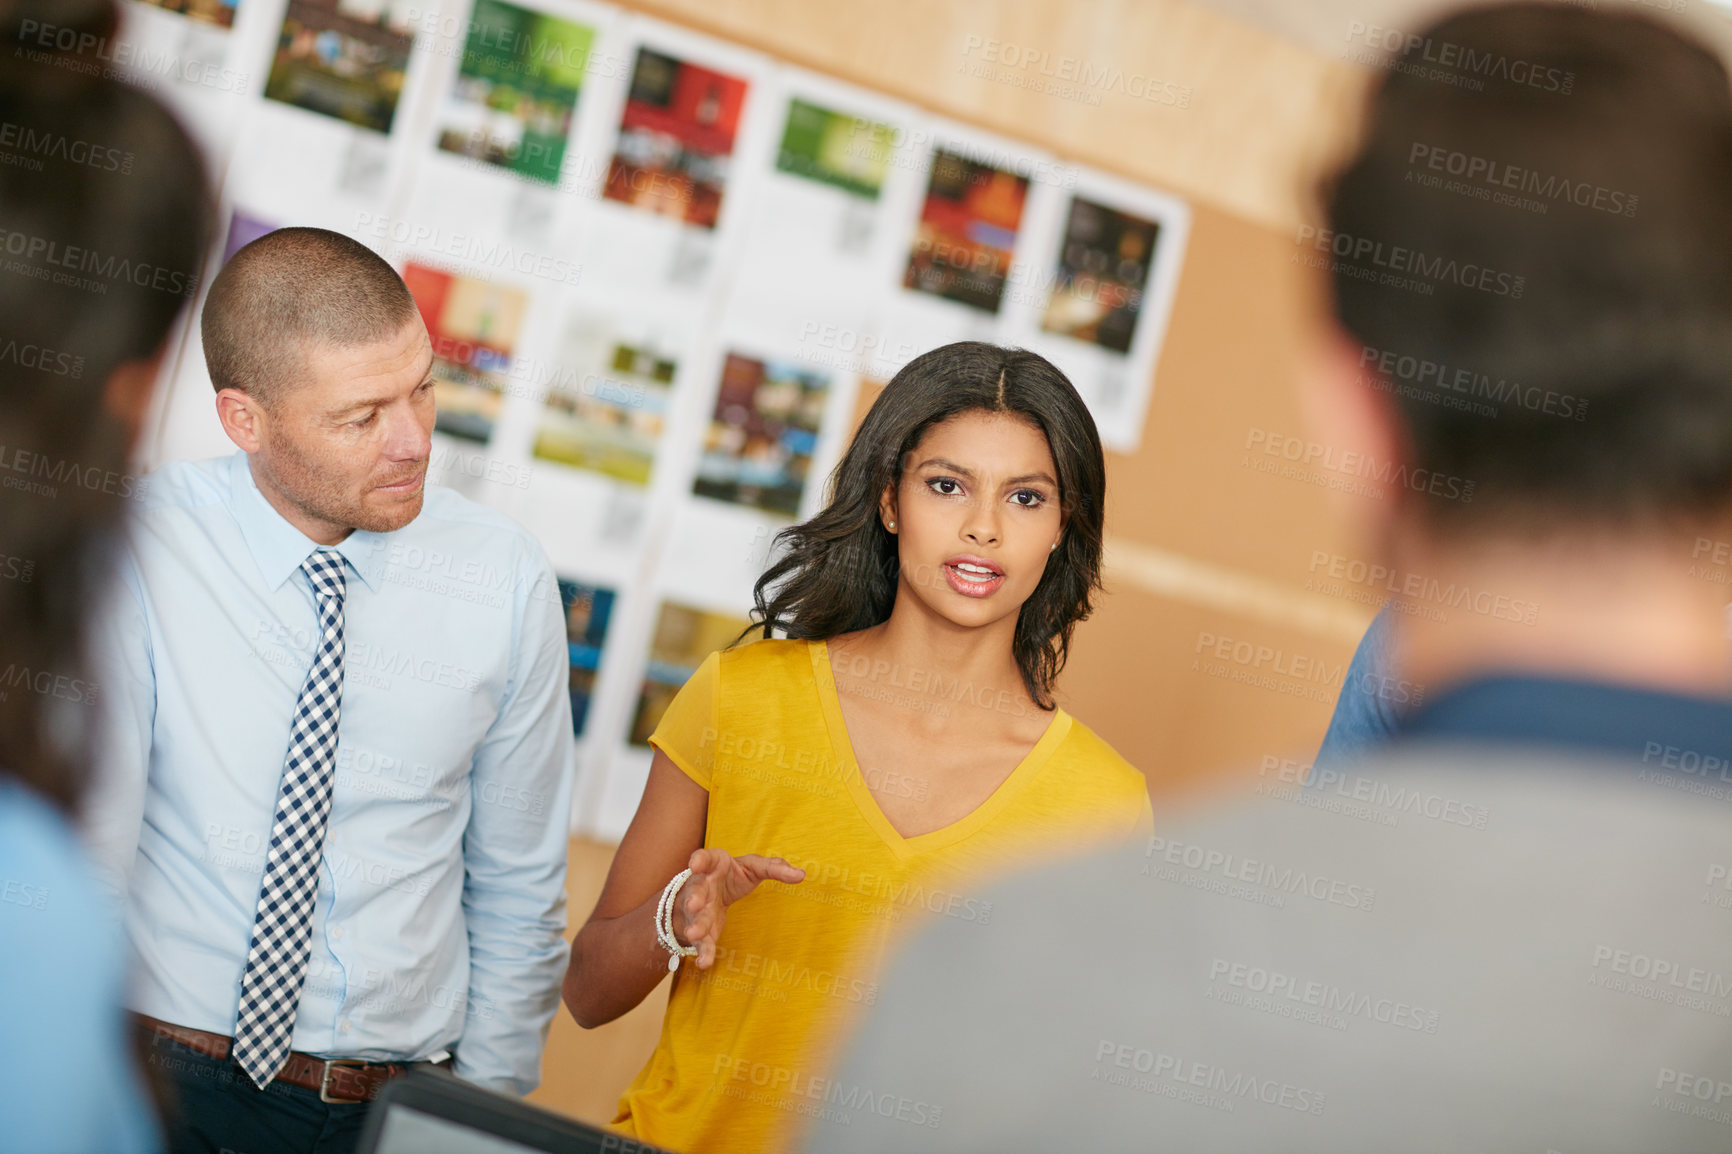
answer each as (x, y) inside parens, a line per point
(1201, 544)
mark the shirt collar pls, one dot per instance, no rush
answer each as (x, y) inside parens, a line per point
(279, 548)
(1602, 716)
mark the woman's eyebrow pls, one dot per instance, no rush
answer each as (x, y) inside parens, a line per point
(946, 463)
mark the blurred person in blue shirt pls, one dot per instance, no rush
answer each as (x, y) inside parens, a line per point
(99, 178)
(1371, 704)
(1363, 717)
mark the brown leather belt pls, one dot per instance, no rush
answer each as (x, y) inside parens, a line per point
(336, 1079)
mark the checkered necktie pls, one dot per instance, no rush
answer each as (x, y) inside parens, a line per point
(277, 960)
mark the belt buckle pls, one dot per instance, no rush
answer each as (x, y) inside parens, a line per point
(325, 1079)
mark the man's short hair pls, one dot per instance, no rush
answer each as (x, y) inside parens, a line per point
(290, 290)
(1533, 244)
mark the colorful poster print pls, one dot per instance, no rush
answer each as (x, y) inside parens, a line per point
(608, 401)
(342, 58)
(587, 611)
(683, 637)
(1103, 269)
(474, 326)
(834, 148)
(676, 138)
(967, 233)
(516, 89)
(758, 450)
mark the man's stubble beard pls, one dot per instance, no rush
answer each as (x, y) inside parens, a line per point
(309, 489)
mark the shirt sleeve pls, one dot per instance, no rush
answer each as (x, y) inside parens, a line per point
(1365, 709)
(125, 716)
(688, 730)
(514, 853)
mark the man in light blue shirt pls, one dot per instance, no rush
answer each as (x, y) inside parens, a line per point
(256, 583)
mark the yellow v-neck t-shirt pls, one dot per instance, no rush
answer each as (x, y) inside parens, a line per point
(744, 1053)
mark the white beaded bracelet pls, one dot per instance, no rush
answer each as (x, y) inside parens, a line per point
(665, 922)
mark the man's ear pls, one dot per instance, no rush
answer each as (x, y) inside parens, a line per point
(242, 417)
(127, 392)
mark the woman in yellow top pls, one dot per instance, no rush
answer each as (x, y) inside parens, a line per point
(875, 765)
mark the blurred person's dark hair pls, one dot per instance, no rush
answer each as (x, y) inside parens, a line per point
(105, 218)
(839, 572)
(1621, 128)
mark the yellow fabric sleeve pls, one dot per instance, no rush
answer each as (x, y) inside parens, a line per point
(688, 729)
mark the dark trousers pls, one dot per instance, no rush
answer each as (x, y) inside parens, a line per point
(212, 1107)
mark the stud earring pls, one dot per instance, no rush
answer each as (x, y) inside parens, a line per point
(1054, 547)
(892, 525)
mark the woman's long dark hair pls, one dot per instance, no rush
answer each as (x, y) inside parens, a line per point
(111, 196)
(838, 572)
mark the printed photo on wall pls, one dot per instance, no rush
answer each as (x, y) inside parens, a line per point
(474, 325)
(758, 450)
(1103, 269)
(1097, 301)
(221, 13)
(683, 637)
(676, 138)
(607, 403)
(343, 58)
(587, 610)
(516, 89)
(834, 148)
(967, 233)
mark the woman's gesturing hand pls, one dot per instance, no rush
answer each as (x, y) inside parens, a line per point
(719, 879)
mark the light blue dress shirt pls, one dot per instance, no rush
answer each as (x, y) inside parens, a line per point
(441, 904)
(66, 1083)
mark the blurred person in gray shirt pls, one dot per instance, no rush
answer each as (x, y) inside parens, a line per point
(1509, 928)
